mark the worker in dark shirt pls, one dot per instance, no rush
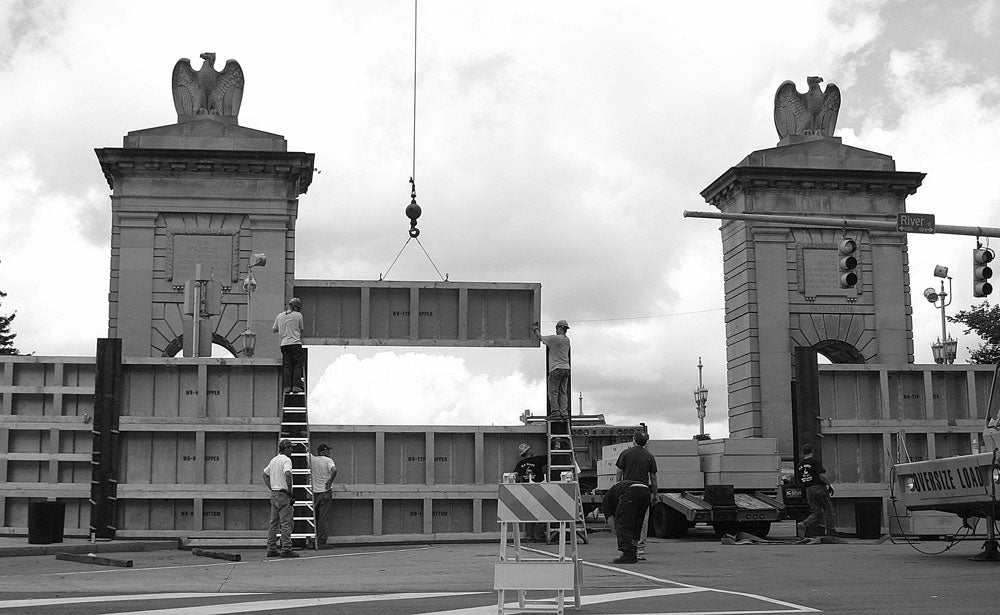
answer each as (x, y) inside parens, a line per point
(810, 472)
(636, 464)
(531, 469)
(627, 501)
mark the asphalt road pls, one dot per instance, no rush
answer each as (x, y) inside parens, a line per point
(697, 575)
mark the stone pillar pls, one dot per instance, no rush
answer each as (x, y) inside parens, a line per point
(782, 283)
(208, 191)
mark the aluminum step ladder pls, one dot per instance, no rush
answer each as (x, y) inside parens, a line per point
(562, 458)
(295, 427)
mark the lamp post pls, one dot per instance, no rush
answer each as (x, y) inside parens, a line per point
(700, 401)
(250, 285)
(945, 348)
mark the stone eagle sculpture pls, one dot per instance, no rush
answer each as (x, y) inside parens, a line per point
(207, 91)
(812, 113)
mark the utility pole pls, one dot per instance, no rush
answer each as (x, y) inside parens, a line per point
(700, 401)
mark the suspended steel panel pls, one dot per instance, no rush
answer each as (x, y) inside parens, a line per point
(370, 313)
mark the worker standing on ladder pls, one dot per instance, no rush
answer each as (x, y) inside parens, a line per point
(288, 325)
(557, 381)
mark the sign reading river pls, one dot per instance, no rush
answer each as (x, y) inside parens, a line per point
(914, 223)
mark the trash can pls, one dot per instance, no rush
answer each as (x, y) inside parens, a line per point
(868, 517)
(45, 522)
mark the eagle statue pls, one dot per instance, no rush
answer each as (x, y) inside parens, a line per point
(812, 113)
(207, 91)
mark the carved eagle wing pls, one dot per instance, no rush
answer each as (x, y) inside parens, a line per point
(826, 120)
(790, 113)
(227, 94)
(184, 83)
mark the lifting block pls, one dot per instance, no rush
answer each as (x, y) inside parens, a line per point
(533, 575)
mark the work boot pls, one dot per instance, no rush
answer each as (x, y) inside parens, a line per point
(288, 389)
(625, 559)
(289, 554)
(296, 390)
(272, 553)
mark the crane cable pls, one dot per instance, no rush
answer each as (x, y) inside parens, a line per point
(413, 210)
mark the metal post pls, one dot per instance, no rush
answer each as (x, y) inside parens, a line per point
(944, 331)
(196, 316)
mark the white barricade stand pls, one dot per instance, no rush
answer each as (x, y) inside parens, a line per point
(550, 502)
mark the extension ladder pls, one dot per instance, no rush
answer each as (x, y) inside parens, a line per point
(295, 427)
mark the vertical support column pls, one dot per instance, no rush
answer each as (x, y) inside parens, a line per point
(774, 338)
(134, 297)
(806, 419)
(104, 459)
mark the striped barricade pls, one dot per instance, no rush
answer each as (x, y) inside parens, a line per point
(547, 502)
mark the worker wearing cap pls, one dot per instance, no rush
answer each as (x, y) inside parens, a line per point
(323, 470)
(278, 478)
(557, 381)
(288, 325)
(637, 465)
(811, 473)
(531, 469)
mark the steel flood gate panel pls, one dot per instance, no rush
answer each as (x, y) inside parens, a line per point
(384, 313)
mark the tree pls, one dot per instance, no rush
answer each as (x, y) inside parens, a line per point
(984, 319)
(6, 337)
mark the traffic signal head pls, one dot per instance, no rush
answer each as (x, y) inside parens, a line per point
(981, 272)
(848, 263)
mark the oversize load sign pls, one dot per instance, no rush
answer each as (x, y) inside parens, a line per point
(914, 223)
(945, 483)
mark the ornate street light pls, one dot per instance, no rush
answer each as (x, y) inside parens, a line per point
(250, 285)
(945, 349)
(700, 401)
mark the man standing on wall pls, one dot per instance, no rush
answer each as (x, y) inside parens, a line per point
(323, 470)
(288, 325)
(531, 469)
(278, 478)
(636, 464)
(810, 472)
(557, 381)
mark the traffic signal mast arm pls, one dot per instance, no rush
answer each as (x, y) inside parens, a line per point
(875, 225)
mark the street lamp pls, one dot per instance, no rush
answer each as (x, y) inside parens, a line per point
(945, 348)
(700, 401)
(250, 285)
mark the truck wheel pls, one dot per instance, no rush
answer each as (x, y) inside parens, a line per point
(760, 529)
(667, 522)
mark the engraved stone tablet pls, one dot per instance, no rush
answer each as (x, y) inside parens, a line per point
(214, 252)
(821, 270)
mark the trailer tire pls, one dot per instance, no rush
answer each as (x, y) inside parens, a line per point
(760, 529)
(667, 522)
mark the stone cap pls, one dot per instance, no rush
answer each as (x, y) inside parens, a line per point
(817, 152)
(205, 132)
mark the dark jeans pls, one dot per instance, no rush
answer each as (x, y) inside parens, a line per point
(820, 506)
(280, 523)
(291, 366)
(632, 506)
(323, 502)
(558, 390)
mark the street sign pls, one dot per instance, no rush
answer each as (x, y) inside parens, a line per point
(914, 223)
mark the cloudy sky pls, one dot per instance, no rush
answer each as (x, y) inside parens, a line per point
(556, 142)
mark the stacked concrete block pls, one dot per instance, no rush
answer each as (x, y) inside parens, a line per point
(744, 463)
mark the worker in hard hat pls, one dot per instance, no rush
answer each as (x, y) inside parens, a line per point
(288, 325)
(531, 469)
(557, 380)
(278, 478)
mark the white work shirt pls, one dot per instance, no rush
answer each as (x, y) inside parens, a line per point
(275, 471)
(288, 325)
(322, 469)
(558, 350)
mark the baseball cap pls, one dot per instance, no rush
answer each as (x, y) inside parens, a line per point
(323, 447)
(285, 444)
(523, 448)
(295, 302)
(562, 323)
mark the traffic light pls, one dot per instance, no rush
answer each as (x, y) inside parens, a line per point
(981, 272)
(848, 263)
